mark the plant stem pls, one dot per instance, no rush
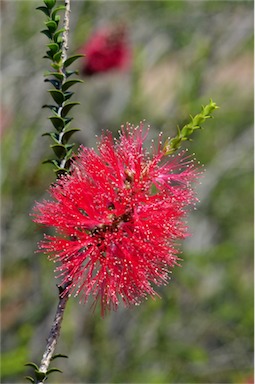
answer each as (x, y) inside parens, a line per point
(66, 27)
(54, 333)
(56, 326)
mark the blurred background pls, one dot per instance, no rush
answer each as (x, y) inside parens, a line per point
(175, 55)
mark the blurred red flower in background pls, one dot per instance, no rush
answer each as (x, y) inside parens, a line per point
(249, 380)
(118, 217)
(107, 49)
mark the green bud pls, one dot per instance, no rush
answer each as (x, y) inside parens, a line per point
(186, 131)
(49, 3)
(173, 144)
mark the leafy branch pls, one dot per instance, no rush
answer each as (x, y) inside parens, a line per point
(60, 79)
(172, 144)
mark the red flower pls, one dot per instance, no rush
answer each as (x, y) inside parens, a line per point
(106, 50)
(118, 217)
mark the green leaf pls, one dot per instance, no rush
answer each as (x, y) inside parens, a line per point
(61, 171)
(69, 83)
(57, 56)
(55, 83)
(59, 150)
(68, 163)
(33, 365)
(29, 378)
(51, 107)
(40, 375)
(57, 36)
(69, 147)
(47, 33)
(45, 10)
(59, 39)
(57, 96)
(51, 25)
(187, 131)
(58, 75)
(65, 138)
(53, 47)
(53, 135)
(57, 19)
(56, 66)
(68, 120)
(54, 370)
(51, 161)
(69, 153)
(59, 355)
(56, 10)
(70, 73)
(67, 107)
(71, 59)
(49, 3)
(58, 122)
(210, 107)
(49, 55)
(68, 95)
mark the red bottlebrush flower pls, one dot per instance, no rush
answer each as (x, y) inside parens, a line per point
(118, 217)
(106, 50)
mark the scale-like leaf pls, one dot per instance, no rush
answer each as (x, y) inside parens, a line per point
(56, 10)
(51, 107)
(67, 107)
(58, 75)
(71, 59)
(53, 47)
(60, 171)
(69, 153)
(40, 375)
(55, 83)
(57, 35)
(57, 19)
(56, 66)
(54, 370)
(59, 355)
(51, 161)
(69, 147)
(57, 95)
(58, 122)
(68, 95)
(70, 73)
(65, 138)
(49, 3)
(53, 135)
(29, 378)
(31, 364)
(67, 120)
(49, 55)
(45, 10)
(69, 83)
(47, 33)
(59, 150)
(57, 56)
(51, 25)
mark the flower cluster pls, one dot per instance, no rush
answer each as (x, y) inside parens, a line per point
(118, 217)
(106, 50)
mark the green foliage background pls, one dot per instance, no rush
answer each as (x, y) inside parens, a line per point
(184, 52)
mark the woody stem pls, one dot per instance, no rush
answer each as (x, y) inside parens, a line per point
(66, 31)
(54, 333)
